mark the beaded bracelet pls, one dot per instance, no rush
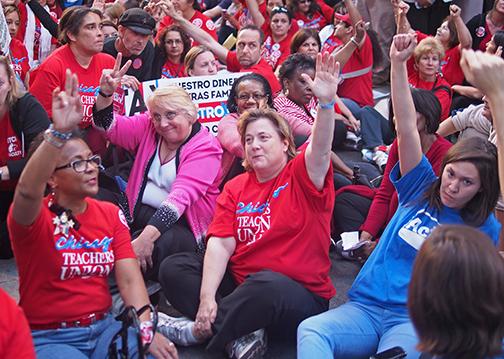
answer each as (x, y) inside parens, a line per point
(52, 140)
(327, 106)
(64, 136)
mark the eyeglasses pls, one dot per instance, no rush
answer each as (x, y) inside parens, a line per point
(169, 115)
(173, 42)
(255, 96)
(80, 166)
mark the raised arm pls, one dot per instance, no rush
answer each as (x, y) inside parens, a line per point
(446, 128)
(354, 14)
(400, 11)
(66, 115)
(195, 32)
(324, 87)
(257, 17)
(463, 33)
(408, 138)
(109, 81)
(486, 72)
(343, 55)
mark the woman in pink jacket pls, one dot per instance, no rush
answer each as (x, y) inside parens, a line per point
(173, 183)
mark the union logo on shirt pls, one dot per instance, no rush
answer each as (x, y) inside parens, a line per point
(13, 148)
(418, 228)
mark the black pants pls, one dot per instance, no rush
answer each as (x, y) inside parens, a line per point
(179, 238)
(428, 19)
(265, 300)
(350, 211)
(6, 198)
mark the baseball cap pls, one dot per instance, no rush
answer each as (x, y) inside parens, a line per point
(138, 20)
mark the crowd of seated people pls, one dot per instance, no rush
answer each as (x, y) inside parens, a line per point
(235, 223)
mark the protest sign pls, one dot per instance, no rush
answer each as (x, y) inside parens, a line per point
(209, 92)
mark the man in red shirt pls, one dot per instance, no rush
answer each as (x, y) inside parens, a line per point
(246, 58)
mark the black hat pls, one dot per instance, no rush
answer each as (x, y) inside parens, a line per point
(138, 20)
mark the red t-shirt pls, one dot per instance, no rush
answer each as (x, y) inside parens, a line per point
(11, 149)
(360, 88)
(331, 44)
(15, 336)
(441, 89)
(52, 72)
(171, 70)
(198, 19)
(261, 68)
(318, 20)
(244, 17)
(19, 58)
(63, 275)
(282, 225)
(275, 53)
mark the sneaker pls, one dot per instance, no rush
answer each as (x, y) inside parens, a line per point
(380, 158)
(178, 330)
(250, 346)
(367, 155)
(345, 254)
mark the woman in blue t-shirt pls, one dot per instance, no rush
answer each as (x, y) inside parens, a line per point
(376, 317)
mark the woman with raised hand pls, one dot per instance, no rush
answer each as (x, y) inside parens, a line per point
(173, 183)
(376, 316)
(66, 245)
(259, 241)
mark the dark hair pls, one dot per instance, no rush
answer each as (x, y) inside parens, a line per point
(279, 123)
(293, 63)
(253, 28)
(131, 4)
(426, 104)
(281, 10)
(71, 21)
(186, 41)
(109, 23)
(38, 139)
(483, 155)
(453, 40)
(231, 102)
(455, 297)
(498, 39)
(301, 36)
(293, 6)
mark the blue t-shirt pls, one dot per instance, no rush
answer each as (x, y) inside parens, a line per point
(384, 279)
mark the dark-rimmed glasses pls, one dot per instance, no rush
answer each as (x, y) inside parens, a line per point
(80, 166)
(255, 96)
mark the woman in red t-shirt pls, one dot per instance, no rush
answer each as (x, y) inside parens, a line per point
(311, 13)
(200, 61)
(67, 244)
(266, 262)
(276, 48)
(427, 55)
(18, 52)
(306, 41)
(171, 48)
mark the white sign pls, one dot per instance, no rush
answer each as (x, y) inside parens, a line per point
(209, 92)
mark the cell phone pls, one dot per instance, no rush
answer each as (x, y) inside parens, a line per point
(392, 353)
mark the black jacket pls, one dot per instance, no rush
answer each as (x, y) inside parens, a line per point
(28, 119)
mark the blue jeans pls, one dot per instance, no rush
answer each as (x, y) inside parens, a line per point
(354, 330)
(84, 342)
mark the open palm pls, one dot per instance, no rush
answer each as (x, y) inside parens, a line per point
(66, 105)
(325, 84)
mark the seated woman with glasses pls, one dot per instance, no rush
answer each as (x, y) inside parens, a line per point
(173, 183)
(66, 245)
(171, 48)
(249, 92)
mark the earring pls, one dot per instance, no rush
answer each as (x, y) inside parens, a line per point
(286, 92)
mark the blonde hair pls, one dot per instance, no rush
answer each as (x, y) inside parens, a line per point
(426, 46)
(15, 92)
(281, 126)
(175, 97)
(192, 55)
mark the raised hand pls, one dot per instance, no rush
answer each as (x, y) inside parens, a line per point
(360, 31)
(111, 78)
(402, 47)
(484, 71)
(170, 10)
(326, 81)
(66, 105)
(455, 11)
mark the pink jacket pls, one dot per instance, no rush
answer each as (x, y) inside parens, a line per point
(195, 188)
